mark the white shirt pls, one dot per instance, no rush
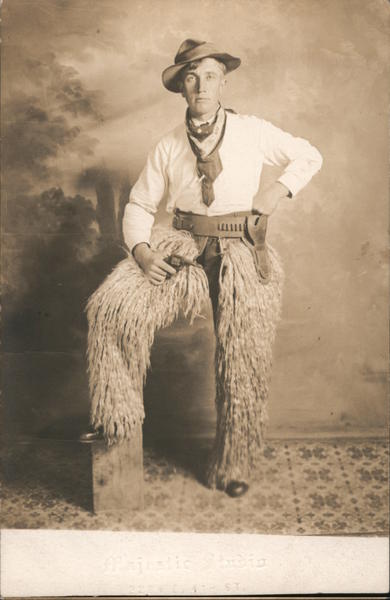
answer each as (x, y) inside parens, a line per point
(248, 144)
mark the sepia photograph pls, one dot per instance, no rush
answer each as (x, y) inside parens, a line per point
(195, 272)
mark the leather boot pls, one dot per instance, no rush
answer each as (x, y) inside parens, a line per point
(91, 435)
(234, 488)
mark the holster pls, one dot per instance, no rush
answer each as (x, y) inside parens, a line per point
(255, 232)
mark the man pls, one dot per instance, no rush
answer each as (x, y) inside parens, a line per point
(208, 170)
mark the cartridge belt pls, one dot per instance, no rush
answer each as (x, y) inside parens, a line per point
(232, 225)
(250, 226)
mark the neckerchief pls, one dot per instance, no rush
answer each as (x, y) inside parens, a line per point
(205, 141)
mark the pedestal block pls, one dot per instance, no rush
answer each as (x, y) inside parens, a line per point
(117, 475)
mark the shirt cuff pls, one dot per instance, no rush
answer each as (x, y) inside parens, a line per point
(290, 180)
(135, 245)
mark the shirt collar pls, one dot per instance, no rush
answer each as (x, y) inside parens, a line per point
(197, 122)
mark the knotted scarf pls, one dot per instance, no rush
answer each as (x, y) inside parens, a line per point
(205, 141)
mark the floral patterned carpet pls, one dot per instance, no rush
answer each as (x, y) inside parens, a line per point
(331, 487)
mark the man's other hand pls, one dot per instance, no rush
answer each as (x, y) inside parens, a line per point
(267, 202)
(152, 263)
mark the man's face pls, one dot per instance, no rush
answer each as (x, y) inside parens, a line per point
(202, 87)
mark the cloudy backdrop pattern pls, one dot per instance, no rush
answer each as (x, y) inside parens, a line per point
(82, 105)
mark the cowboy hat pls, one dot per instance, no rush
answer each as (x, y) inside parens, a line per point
(192, 50)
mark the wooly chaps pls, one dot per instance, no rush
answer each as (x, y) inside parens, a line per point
(125, 312)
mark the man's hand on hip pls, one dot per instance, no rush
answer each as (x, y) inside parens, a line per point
(152, 263)
(267, 202)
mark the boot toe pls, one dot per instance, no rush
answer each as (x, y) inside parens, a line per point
(91, 435)
(234, 488)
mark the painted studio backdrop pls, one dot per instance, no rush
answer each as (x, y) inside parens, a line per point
(82, 105)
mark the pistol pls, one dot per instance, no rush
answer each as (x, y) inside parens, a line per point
(178, 262)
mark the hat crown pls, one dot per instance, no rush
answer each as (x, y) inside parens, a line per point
(186, 47)
(193, 50)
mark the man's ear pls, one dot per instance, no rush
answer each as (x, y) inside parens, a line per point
(180, 86)
(223, 84)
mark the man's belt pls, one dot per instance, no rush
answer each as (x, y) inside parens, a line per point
(252, 228)
(230, 225)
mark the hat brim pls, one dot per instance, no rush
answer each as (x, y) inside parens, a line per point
(170, 76)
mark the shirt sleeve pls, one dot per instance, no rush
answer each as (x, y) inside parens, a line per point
(280, 148)
(145, 198)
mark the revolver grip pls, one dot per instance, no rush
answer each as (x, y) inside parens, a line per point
(174, 261)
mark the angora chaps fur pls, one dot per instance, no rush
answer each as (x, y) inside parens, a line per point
(125, 312)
